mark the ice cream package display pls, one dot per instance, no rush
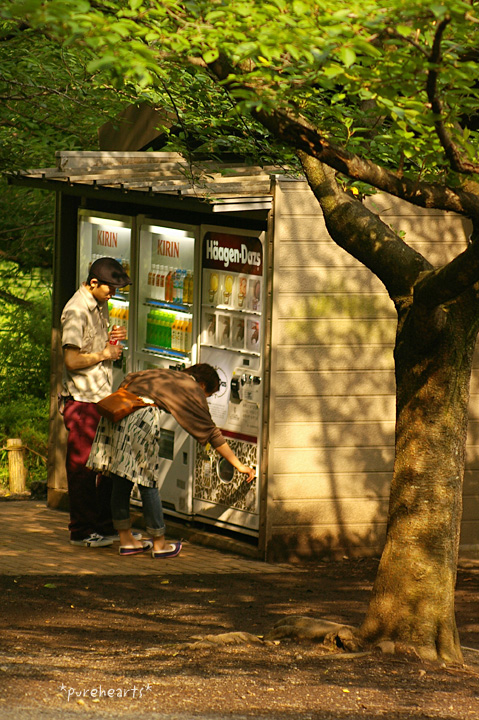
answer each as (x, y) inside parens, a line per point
(241, 291)
(235, 291)
(223, 329)
(227, 287)
(253, 335)
(238, 333)
(218, 288)
(208, 328)
(211, 287)
(253, 298)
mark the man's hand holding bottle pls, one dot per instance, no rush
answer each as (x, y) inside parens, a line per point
(114, 347)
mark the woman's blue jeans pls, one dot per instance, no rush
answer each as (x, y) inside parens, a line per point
(152, 507)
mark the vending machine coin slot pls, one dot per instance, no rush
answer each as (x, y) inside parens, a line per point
(235, 390)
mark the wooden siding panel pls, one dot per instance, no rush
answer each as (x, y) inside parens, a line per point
(388, 206)
(309, 331)
(332, 384)
(320, 305)
(335, 409)
(325, 357)
(470, 534)
(328, 513)
(337, 382)
(306, 235)
(471, 482)
(298, 200)
(352, 433)
(336, 541)
(320, 460)
(320, 279)
(296, 253)
(326, 486)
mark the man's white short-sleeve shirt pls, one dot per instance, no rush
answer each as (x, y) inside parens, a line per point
(84, 325)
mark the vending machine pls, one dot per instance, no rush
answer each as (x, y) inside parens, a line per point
(197, 296)
(231, 339)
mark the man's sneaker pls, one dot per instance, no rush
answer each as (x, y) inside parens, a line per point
(94, 540)
(116, 538)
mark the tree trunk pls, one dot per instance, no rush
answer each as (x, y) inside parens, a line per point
(412, 601)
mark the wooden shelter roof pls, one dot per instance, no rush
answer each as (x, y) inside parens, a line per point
(223, 186)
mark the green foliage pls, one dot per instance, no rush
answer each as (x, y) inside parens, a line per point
(208, 123)
(25, 418)
(44, 86)
(25, 330)
(357, 70)
(26, 228)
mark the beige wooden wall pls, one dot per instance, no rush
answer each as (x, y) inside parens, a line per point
(333, 393)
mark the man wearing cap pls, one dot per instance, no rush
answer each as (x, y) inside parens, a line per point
(88, 354)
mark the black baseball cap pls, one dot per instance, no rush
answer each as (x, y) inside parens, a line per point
(109, 272)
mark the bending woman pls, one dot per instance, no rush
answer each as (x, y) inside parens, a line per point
(128, 451)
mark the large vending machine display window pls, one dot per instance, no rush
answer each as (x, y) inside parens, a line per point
(231, 339)
(102, 235)
(165, 338)
(166, 294)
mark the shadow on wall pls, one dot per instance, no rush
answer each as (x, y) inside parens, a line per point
(332, 429)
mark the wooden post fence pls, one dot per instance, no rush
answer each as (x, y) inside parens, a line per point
(16, 466)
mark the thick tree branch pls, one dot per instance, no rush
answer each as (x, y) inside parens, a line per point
(453, 154)
(367, 238)
(35, 224)
(363, 234)
(20, 261)
(13, 300)
(300, 134)
(446, 283)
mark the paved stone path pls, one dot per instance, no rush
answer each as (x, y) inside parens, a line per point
(34, 540)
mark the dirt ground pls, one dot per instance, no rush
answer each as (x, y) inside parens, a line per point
(101, 647)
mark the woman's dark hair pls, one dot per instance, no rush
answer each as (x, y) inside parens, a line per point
(206, 374)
